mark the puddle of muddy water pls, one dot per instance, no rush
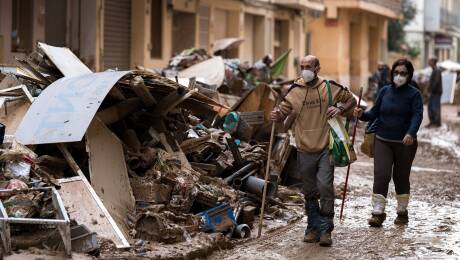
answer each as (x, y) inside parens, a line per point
(433, 230)
(444, 137)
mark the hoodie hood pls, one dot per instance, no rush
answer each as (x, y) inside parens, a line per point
(301, 82)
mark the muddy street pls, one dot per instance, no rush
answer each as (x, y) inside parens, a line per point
(433, 231)
(207, 129)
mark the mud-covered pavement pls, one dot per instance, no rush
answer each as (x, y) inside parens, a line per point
(433, 231)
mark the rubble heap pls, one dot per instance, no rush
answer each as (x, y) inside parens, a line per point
(135, 157)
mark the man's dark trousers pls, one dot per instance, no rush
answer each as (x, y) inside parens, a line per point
(317, 173)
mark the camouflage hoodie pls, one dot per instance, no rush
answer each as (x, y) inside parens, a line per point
(310, 103)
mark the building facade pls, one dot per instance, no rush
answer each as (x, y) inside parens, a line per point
(268, 26)
(435, 30)
(349, 36)
(125, 33)
(75, 24)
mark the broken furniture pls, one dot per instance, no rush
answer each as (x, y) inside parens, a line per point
(61, 221)
(147, 152)
(83, 240)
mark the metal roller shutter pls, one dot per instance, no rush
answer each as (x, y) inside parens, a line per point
(117, 34)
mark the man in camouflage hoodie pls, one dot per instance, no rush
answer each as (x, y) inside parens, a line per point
(308, 99)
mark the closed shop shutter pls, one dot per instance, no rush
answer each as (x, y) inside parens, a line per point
(117, 34)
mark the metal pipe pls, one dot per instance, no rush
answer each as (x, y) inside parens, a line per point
(134, 163)
(255, 185)
(237, 183)
(33, 221)
(249, 174)
(242, 231)
(249, 167)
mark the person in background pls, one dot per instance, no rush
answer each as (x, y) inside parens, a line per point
(399, 110)
(382, 76)
(263, 68)
(435, 92)
(457, 91)
(308, 99)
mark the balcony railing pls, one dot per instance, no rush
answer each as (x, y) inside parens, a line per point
(394, 5)
(389, 8)
(449, 20)
(301, 4)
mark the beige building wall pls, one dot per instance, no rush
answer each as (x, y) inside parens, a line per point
(223, 19)
(331, 44)
(350, 46)
(206, 21)
(91, 33)
(37, 29)
(83, 32)
(349, 39)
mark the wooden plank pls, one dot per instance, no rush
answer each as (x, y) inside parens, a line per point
(83, 208)
(170, 106)
(31, 69)
(173, 99)
(227, 99)
(181, 155)
(235, 152)
(116, 94)
(8, 81)
(16, 111)
(11, 89)
(165, 143)
(253, 118)
(281, 152)
(189, 144)
(120, 110)
(204, 166)
(26, 91)
(138, 86)
(108, 172)
(65, 60)
(120, 240)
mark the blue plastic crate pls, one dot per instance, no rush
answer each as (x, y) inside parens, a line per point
(218, 219)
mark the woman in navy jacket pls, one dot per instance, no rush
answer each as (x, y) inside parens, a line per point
(399, 111)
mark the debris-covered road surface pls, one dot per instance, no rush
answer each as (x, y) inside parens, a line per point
(434, 211)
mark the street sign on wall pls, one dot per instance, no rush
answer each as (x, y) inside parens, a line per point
(443, 41)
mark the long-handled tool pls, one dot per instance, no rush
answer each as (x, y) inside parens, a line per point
(349, 165)
(267, 169)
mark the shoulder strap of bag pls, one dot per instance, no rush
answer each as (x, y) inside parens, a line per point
(329, 97)
(329, 92)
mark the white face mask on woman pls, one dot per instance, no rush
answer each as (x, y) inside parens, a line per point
(308, 75)
(399, 80)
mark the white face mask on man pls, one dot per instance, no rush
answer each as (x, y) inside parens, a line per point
(308, 75)
(399, 80)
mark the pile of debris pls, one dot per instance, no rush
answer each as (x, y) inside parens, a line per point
(220, 75)
(185, 59)
(132, 156)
